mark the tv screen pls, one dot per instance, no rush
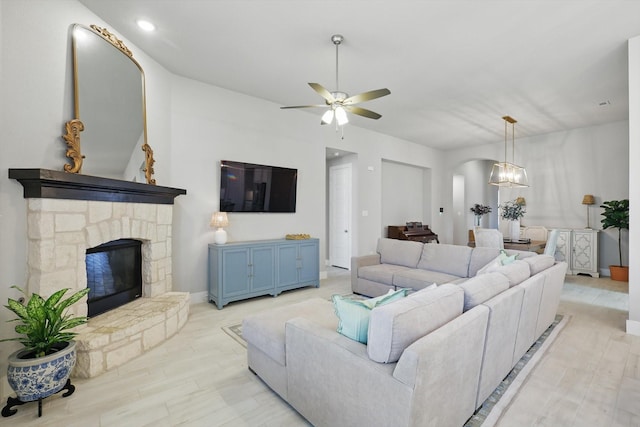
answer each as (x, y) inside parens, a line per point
(246, 187)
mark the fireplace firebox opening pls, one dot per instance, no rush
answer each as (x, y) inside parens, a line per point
(114, 274)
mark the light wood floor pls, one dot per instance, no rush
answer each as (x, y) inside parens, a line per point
(589, 377)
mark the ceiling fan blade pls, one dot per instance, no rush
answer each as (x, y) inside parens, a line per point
(366, 96)
(323, 92)
(306, 106)
(362, 112)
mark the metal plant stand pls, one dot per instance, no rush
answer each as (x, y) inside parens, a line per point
(7, 411)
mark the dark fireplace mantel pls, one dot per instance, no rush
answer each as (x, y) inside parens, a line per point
(50, 184)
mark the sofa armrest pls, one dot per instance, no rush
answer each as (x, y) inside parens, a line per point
(362, 261)
(444, 370)
(332, 381)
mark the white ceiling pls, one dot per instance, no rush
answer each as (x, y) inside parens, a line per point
(454, 68)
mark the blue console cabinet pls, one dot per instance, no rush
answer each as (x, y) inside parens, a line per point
(241, 270)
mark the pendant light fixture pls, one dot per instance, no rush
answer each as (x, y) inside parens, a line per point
(507, 174)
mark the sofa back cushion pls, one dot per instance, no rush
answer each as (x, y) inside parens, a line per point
(539, 263)
(399, 252)
(482, 288)
(395, 326)
(450, 259)
(516, 272)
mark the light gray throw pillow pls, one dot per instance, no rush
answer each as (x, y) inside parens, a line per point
(516, 272)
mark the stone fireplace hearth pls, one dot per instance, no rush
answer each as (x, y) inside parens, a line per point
(87, 212)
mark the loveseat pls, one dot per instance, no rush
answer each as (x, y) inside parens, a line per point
(431, 358)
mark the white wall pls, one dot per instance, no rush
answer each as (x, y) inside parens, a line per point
(562, 168)
(404, 190)
(633, 324)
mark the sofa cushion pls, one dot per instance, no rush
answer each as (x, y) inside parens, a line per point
(381, 273)
(417, 279)
(449, 259)
(353, 314)
(393, 327)
(539, 263)
(266, 330)
(481, 257)
(501, 259)
(482, 288)
(516, 272)
(399, 252)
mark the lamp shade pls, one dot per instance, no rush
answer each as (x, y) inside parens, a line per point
(588, 199)
(219, 219)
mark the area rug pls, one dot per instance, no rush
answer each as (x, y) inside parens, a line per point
(235, 332)
(492, 408)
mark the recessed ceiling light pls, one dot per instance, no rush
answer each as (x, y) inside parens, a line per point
(336, 154)
(145, 25)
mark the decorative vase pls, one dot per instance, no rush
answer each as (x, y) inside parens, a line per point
(478, 220)
(619, 273)
(37, 378)
(514, 229)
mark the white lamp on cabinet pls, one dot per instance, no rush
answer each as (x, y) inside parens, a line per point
(219, 219)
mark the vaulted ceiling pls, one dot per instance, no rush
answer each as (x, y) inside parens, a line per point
(454, 67)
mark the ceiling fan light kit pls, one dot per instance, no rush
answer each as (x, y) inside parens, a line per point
(338, 102)
(505, 174)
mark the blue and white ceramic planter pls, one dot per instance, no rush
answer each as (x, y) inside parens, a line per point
(34, 379)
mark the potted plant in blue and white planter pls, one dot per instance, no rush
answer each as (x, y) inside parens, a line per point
(44, 365)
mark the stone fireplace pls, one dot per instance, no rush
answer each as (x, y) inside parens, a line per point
(68, 214)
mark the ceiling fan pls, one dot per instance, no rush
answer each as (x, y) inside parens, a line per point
(340, 102)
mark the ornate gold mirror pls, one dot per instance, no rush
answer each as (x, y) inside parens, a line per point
(109, 96)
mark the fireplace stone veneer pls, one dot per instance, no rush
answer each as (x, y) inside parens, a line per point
(60, 230)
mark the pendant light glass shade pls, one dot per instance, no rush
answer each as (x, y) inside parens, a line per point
(507, 174)
(327, 117)
(341, 116)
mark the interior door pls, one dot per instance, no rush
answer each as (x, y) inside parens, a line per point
(340, 215)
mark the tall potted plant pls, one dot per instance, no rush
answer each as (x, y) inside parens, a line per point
(44, 365)
(616, 215)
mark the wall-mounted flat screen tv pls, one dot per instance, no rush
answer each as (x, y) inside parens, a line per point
(247, 187)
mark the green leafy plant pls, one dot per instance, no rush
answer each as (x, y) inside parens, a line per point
(45, 323)
(616, 215)
(479, 210)
(512, 210)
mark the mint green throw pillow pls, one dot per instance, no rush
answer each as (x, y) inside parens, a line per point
(353, 315)
(506, 259)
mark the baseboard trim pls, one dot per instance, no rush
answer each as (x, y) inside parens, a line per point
(633, 327)
(198, 297)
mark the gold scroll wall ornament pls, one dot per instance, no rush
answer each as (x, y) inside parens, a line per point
(148, 171)
(72, 138)
(111, 38)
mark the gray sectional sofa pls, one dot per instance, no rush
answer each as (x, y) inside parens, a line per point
(414, 265)
(431, 358)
